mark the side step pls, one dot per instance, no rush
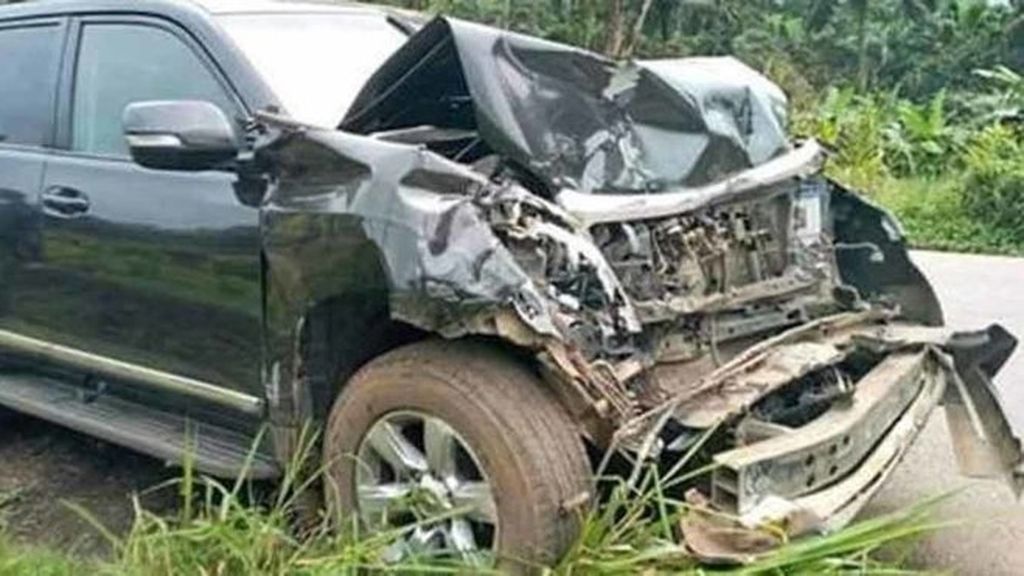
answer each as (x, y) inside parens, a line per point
(216, 451)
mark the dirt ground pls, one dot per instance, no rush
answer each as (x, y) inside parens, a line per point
(44, 467)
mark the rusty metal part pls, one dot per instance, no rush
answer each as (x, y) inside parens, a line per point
(783, 364)
(836, 505)
(787, 285)
(816, 477)
(598, 382)
(984, 442)
(810, 457)
(716, 539)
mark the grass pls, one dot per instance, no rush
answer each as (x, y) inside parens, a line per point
(24, 561)
(932, 213)
(231, 529)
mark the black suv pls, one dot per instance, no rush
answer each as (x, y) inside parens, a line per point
(472, 258)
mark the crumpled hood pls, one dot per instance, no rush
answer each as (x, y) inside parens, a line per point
(573, 118)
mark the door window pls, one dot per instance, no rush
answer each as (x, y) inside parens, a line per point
(119, 64)
(28, 77)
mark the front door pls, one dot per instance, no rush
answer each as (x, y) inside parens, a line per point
(30, 54)
(160, 269)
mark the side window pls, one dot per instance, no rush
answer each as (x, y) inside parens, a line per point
(123, 63)
(28, 78)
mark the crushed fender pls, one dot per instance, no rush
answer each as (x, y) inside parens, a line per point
(649, 236)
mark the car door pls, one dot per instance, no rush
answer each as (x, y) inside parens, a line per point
(159, 269)
(30, 53)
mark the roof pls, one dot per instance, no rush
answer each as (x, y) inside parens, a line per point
(281, 6)
(183, 7)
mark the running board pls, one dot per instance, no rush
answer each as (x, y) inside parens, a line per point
(49, 352)
(214, 450)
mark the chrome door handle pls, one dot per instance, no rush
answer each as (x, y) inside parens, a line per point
(63, 202)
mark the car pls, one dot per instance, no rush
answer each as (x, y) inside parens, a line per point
(481, 264)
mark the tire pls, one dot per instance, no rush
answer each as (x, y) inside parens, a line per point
(527, 446)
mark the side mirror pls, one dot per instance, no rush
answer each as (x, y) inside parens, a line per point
(179, 135)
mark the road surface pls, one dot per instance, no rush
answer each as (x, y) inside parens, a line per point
(975, 291)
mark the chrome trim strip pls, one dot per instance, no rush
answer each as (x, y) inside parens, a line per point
(57, 354)
(593, 209)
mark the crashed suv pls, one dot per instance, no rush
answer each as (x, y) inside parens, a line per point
(476, 260)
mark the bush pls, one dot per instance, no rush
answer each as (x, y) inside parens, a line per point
(996, 195)
(934, 217)
(994, 187)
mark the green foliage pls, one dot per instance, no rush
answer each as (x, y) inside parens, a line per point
(15, 561)
(228, 529)
(916, 46)
(956, 182)
(881, 135)
(994, 187)
(933, 214)
(909, 93)
(1006, 102)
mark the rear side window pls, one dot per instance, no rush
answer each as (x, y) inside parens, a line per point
(119, 64)
(29, 56)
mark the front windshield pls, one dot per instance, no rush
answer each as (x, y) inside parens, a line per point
(315, 62)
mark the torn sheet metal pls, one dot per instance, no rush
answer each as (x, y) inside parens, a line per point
(574, 119)
(815, 477)
(429, 242)
(872, 256)
(390, 230)
(649, 236)
(403, 217)
(800, 461)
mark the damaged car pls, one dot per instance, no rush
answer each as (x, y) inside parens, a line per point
(476, 260)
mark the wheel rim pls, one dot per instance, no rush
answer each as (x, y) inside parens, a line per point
(414, 468)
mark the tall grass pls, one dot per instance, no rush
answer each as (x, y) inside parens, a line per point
(242, 528)
(15, 561)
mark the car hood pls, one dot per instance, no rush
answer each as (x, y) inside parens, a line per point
(575, 119)
(643, 233)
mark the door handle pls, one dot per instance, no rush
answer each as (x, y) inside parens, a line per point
(63, 202)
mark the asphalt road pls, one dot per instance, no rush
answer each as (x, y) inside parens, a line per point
(975, 291)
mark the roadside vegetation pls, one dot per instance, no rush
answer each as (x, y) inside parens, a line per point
(923, 100)
(246, 529)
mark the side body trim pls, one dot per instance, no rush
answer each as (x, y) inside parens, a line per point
(63, 355)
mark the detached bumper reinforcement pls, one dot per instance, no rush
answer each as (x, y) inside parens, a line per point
(835, 506)
(836, 447)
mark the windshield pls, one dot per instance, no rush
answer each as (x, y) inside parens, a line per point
(315, 62)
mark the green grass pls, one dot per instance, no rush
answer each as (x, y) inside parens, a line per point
(933, 215)
(227, 529)
(23, 561)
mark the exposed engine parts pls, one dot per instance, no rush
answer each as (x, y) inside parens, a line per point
(670, 271)
(683, 264)
(692, 289)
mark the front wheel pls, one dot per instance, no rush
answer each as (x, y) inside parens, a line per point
(460, 433)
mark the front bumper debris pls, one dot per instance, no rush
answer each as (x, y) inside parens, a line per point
(816, 477)
(827, 469)
(630, 246)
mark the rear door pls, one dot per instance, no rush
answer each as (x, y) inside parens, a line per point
(29, 62)
(154, 268)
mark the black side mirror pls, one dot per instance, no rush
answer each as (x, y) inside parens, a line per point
(179, 135)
